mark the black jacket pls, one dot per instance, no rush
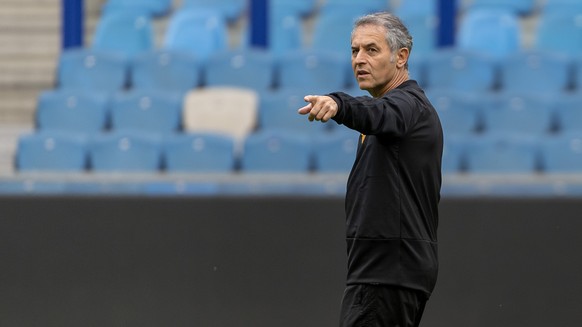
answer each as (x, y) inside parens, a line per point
(393, 189)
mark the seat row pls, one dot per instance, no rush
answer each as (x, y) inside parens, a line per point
(123, 151)
(314, 71)
(528, 113)
(281, 152)
(513, 153)
(179, 71)
(227, 110)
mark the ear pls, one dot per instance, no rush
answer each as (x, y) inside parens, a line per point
(402, 57)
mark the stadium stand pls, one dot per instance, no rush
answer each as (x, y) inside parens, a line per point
(125, 151)
(230, 9)
(52, 151)
(92, 70)
(72, 111)
(149, 7)
(201, 152)
(562, 153)
(459, 112)
(201, 32)
(335, 152)
(164, 70)
(273, 151)
(125, 32)
(503, 153)
(227, 110)
(147, 111)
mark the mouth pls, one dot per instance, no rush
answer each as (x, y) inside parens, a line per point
(362, 73)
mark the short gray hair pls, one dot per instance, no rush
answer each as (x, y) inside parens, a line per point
(397, 35)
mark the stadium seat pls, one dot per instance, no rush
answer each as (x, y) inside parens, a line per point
(124, 32)
(522, 72)
(294, 7)
(502, 153)
(92, 70)
(229, 9)
(51, 151)
(147, 111)
(166, 71)
(459, 112)
(250, 68)
(276, 151)
(150, 7)
(572, 6)
(492, 31)
(335, 152)
(199, 153)
(454, 159)
(422, 28)
(73, 111)
(416, 7)
(278, 110)
(521, 7)
(285, 31)
(519, 113)
(562, 153)
(559, 31)
(126, 151)
(227, 110)
(333, 29)
(568, 113)
(360, 6)
(460, 70)
(314, 71)
(201, 32)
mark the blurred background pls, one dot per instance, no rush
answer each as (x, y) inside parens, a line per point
(192, 96)
(154, 171)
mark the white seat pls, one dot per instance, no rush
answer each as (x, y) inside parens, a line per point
(227, 110)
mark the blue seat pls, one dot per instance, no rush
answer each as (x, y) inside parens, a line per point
(459, 112)
(521, 72)
(573, 6)
(519, 113)
(460, 70)
(90, 70)
(335, 152)
(492, 31)
(454, 157)
(332, 30)
(148, 111)
(562, 153)
(359, 7)
(201, 32)
(229, 9)
(250, 68)
(521, 7)
(202, 152)
(126, 151)
(74, 111)
(276, 151)
(559, 31)
(568, 114)
(52, 151)
(416, 7)
(285, 32)
(502, 153)
(314, 71)
(423, 28)
(150, 7)
(301, 8)
(166, 71)
(124, 32)
(278, 111)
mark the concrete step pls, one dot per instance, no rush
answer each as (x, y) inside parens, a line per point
(18, 106)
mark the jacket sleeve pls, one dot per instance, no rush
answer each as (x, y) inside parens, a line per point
(393, 114)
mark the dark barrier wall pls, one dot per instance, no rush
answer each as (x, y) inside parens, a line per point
(258, 262)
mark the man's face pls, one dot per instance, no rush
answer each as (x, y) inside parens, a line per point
(373, 62)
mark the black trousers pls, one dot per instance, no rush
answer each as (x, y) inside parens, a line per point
(371, 305)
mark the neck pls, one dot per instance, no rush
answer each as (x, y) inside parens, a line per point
(400, 77)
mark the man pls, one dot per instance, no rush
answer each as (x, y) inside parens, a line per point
(394, 187)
